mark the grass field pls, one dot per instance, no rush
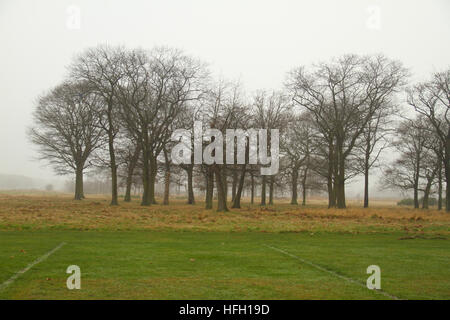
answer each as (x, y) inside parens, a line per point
(186, 252)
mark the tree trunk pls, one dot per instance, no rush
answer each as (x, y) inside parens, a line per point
(447, 192)
(79, 194)
(366, 182)
(416, 185)
(252, 196)
(221, 195)
(330, 182)
(426, 194)
(189, 169)
(331, 193)
(440, 186)
(131, 166)
(166, 178)
(294, 185)
(146, 195)
(112, 157)
(129, 182)
(209, 187)
(145, 184)
(340, 190)
(271, 183)
(366, 169)
(425, 199)
(223, 171)
(447, 171)
(237, 197)
(305, 175)
(166, 187)
(152, 180)
(340, 193)
(416, 197)
(234, 184)
(263, 191)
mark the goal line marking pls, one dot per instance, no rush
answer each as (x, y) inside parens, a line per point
(31, 265)
(331, 272)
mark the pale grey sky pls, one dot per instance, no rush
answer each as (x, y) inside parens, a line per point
(253, 40)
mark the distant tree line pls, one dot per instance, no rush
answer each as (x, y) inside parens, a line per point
(117, 108)
(410, 201)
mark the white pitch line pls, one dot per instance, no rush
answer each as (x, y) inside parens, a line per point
(31, 265)
(331, 272)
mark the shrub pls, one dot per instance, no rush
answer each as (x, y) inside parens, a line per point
(410, 202)
(406, 202)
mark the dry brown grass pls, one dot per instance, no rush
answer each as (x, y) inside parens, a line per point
(18, 212)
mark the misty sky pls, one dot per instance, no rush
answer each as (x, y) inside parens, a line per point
(254, 41)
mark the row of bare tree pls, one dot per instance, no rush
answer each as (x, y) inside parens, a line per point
(117, 110)
(423, 143)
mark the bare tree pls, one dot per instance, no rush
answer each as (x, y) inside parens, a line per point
(406, 171)
(344, 96)
(242, 120)
(431, 169)
(127, 155)
(373, 141)
(438, 149)
(432, 100)
(220, 106)
(101, 67)
(297, 146)
(153, 92)
(186, 120)
(271, 112)
(66, 129)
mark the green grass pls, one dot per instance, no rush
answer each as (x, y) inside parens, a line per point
(222, 265)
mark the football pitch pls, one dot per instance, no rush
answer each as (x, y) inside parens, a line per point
(181, 264)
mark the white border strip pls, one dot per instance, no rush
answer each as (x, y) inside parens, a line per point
(31, 265)
(331, 272)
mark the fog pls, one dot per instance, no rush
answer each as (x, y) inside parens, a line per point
(254, 41)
